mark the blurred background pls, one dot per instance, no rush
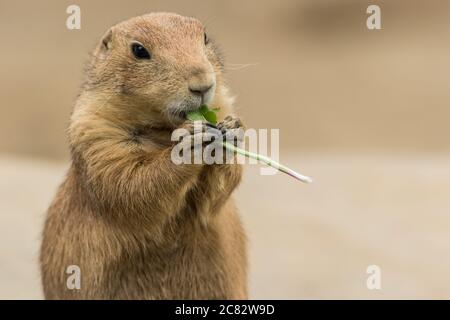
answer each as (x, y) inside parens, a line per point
(364, 112)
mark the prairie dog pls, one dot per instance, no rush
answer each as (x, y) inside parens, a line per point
(137, 225)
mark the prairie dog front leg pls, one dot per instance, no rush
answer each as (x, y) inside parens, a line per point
(217, 181)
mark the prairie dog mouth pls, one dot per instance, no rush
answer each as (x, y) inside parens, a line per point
(179, 112)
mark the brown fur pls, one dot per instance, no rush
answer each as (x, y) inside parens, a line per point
(137, 225)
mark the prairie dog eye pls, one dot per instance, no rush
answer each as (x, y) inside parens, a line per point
(139, 51)
(206, 38)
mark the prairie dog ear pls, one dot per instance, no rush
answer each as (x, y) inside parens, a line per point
(106, 43)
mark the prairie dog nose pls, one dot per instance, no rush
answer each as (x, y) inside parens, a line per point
(202, 83)
(200, 89)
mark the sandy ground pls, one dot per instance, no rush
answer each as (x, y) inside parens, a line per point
(306, 241)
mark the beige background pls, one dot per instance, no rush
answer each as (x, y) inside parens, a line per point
(365, 113)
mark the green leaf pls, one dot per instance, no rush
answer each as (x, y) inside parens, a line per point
(210, 116)
(195, 116)
(203, 114)
(203, 109)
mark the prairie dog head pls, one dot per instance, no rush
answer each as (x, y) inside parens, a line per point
(160, 65)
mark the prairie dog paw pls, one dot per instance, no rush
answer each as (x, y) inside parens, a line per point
(200, 133)
(230, 122)
(232, 129)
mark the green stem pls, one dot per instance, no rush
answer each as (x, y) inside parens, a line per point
(267, 161)
(209, 115)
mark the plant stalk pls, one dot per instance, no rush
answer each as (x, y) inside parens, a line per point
(267, 161)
